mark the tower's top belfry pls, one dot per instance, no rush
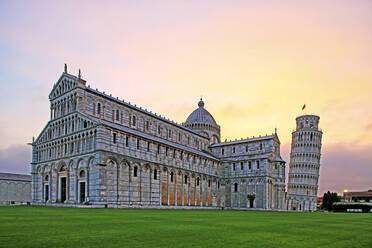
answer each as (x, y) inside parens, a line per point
(307, 122)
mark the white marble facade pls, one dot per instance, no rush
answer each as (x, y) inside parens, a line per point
(304, 164)
(97, 150)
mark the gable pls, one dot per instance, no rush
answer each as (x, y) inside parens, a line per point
(276, 138)
(55, 129)
(65, 83)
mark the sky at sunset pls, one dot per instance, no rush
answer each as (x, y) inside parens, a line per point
(254, 62)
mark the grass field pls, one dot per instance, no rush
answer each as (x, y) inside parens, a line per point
(71, 227)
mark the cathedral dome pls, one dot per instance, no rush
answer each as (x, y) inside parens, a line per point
(201, 115)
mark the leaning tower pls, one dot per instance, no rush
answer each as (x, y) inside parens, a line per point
(304, 164)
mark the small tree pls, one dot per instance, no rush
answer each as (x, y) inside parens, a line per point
(328, 200)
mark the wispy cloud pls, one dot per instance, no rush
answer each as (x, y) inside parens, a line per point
(369, 127)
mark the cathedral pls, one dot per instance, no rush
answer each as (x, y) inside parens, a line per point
(99, 151)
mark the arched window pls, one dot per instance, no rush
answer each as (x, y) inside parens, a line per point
(241, 166)
(134, 120)
(209, 183)
(98, 108)
(155, 174)
(258, 164)
(71, 147)
(185, 179)
(135, 170)
(82, 174)
(197, 181)
(94, 108)
(117, 114)
(171, 175)
(235, 187)
(46, 178)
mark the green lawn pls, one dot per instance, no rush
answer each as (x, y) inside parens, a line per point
(71, 227)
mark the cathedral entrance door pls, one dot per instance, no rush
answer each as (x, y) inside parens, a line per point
(46, 193)
(82, 191)
(63, 189)
(251, 200)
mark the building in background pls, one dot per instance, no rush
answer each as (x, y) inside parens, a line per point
(361, 196)
(102, 151)
(304, 164)
(15, 189)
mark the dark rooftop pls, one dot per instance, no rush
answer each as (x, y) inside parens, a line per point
(15, 177)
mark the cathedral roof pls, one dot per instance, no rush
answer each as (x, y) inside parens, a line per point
(145, 111)
(237, 142)
(15, 177)
(157, 139)
(254, 156)
(247, 157)
(200, 115)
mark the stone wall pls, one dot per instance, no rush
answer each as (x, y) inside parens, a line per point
(14, 192)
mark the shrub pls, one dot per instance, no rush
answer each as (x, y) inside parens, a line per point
(344, 206)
